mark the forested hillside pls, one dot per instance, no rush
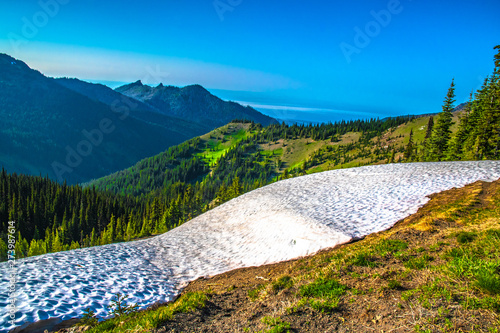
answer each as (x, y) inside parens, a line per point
(165, 190)
(74, 131)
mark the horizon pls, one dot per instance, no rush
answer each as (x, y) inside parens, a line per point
(338, 61)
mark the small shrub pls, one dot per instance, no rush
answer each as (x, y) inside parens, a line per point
(119, 306)
(465, 237)
(283, 282)
(254, 293)
(487, 280)
(365, 260)
(394, 284)
(89, 318)
(328, 305)
(276, 325)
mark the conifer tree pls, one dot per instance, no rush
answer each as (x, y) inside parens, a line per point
(455, 149)
(57, 244)
(3, 249)
(488, 127)
(408, 154)
(426, 144)
(146, 228)
(442, 129)
(393, 154)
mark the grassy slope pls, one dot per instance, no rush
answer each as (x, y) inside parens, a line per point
(217, 142)
(435, 271)
(293, 152)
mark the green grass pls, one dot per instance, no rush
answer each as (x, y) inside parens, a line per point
(325, 305)
(322, 295)
(418, 262)
(394, 284)
(390, 246)
(254, 293)
(149, 319)
(213, 147)
(364, 259)
(276, 325)
(322, 287)
(464, 237)
(283, 282)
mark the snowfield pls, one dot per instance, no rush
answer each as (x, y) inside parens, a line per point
(281, 221)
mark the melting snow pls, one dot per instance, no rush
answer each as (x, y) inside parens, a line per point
(281, 221)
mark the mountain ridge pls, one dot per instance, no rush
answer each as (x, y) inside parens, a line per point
(192, 102)
(57, 127)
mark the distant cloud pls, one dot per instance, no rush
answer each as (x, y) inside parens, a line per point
(313, 114)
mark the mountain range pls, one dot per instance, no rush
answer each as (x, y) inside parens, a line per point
(74, 131)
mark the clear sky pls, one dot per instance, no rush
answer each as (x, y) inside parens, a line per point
(366, 57)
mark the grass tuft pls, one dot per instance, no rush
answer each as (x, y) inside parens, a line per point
(364, 259)
(465, 237)
(254, 293)
(418, 262)
(321, 288)
(390, 246)
(282, 283)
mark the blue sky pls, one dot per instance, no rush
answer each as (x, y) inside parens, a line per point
(362, 58)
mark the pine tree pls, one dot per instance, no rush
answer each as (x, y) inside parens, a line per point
(3, 249)
(408, 154)
(119, 229)
(146, 228)
(442, 129)
(393, 154)
(488, 126)
(456, 148)
(130, 233)
(57, 244)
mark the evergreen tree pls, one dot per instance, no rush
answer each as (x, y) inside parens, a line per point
(57, 244)
(426, 144)
(408, 154)
(455, 149)
(3, 250)
(393, 154)
(442, 130)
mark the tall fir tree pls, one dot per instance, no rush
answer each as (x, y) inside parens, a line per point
(424, 152)
(442, 129)
(456, 147)
(408, 154)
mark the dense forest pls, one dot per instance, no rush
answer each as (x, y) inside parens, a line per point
(161, 192)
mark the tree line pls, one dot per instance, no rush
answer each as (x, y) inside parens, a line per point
(478, 134)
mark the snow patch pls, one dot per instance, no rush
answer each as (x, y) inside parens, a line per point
(281, 221)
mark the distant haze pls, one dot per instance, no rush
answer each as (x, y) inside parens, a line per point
(382, 58)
